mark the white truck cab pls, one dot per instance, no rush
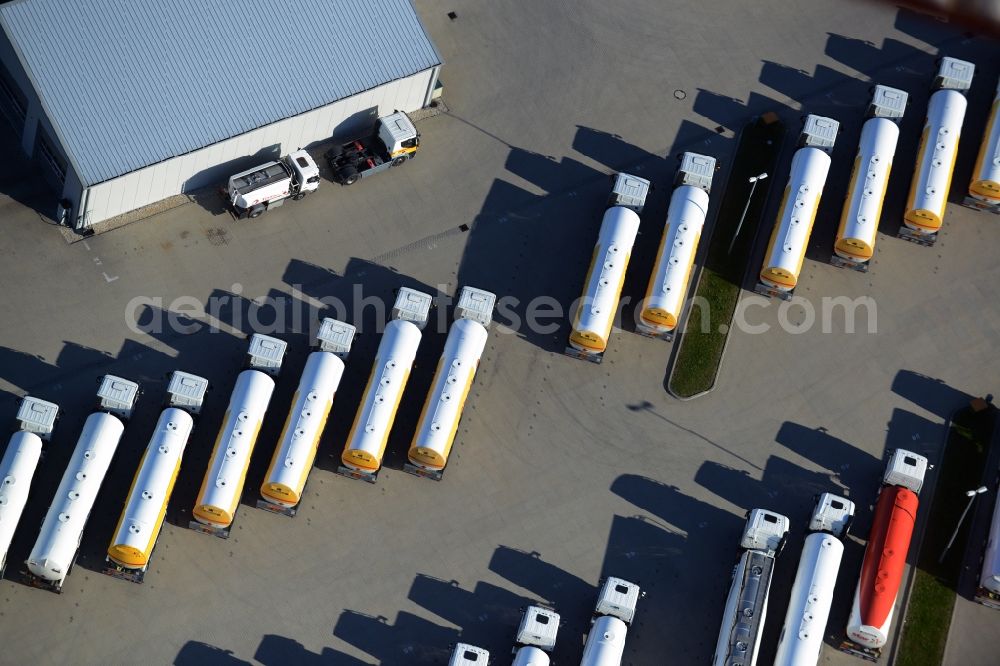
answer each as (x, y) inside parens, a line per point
(888, 103)
(412, 306)
(906, 469)
(266, 353)
(117, 396)
(37, 416)
(765, 530)
(954, 74)
(469, 655)
(476, 304)
(696, 170)
(397, 133)
(539, 628)
(618, 598)
(629, 191)
(306, 171)
(819, 132)
(335, 337)
(832, 514)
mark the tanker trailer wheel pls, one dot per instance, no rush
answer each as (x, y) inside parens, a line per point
(256, 211)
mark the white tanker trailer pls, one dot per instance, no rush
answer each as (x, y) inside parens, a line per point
(746, 605)
(613, 614)
(988, 589)
(668, 284)
(938, 151)
(285, 480)
(602, 288)
(36, 421)
(442, 412)
(221, 488)
(58, 543)
(786, 250)
(855, 243)
(815, 581)
(984, 189)
(366, 443)
(145, 508)
(529, 655)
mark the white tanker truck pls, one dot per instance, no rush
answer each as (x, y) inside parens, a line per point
(746, 606)
(442, 412)
(131, 547)
(58, 543)
(536, 636)
(609, 625)
(812, 593)
(249, 193)
(36, 419)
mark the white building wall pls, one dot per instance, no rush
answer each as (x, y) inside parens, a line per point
(213, 164)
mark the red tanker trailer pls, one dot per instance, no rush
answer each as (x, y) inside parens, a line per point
(885, 557)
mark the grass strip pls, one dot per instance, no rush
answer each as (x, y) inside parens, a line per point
(714, 304)
(928, 615)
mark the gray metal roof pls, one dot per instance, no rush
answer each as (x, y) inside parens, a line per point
(127, 84)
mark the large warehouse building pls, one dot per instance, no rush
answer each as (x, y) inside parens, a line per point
(127, 103)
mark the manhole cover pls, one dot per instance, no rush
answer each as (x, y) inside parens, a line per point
(217, 236)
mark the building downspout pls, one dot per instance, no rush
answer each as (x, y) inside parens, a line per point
(82, 214)
(436, 72)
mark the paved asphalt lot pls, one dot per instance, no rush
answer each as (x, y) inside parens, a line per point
(564, 471)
